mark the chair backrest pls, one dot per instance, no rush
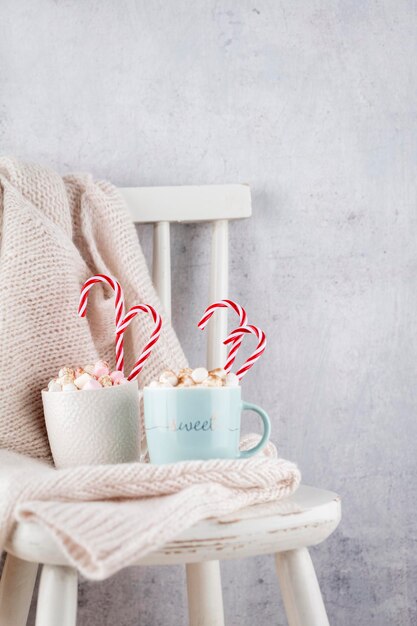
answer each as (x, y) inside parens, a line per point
(207, 203)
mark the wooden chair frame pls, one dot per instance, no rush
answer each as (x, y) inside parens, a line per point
(284, 528)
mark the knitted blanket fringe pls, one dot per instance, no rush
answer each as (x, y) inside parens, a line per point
(55, 233)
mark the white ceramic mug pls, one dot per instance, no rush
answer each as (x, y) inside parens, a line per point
(93, 427)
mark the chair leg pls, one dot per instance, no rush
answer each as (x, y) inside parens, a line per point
(16, 590)
(300, 590)
(204, 588)
(57, 597)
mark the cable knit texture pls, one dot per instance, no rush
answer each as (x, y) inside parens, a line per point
(106, 517)
(55, 233)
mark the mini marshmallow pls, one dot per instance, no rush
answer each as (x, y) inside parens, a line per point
(65, 380)
(82, 380)
(153, 384)
(199, 374)
(66, 372)
(184, 371)
(220, 372)
(185, 381)
(116, 377)
(79, 371)
(232, 380)
(212, 381)
(89, 369)
(105, 381)
(101, 368)
(53, 385)
(92, 384)
(123, 381)
(69, 387)
(168, 376)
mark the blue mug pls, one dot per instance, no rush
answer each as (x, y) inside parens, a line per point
(197, 423)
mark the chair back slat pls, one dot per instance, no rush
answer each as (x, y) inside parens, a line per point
(214, 203)
(202, 203)
(161, 264)
(219, 278)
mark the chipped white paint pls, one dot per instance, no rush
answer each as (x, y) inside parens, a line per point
(307, 518)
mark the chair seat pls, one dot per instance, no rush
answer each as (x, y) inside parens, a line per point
(306, 518)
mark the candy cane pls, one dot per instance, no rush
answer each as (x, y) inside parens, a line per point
(156, 333)
(119, 309)
(250, 361)
(224, 304)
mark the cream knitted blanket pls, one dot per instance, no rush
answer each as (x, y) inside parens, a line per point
(107, 517)
(55, 233)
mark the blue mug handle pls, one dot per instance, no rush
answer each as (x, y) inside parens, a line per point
(248, 406)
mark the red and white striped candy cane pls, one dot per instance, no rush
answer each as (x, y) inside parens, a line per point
(156, 333)
(243, 319)
(250, 361)
(119, 309)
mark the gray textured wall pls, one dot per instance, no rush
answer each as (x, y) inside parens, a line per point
(313, 104)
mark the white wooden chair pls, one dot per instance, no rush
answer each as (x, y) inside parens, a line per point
(284, 528)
